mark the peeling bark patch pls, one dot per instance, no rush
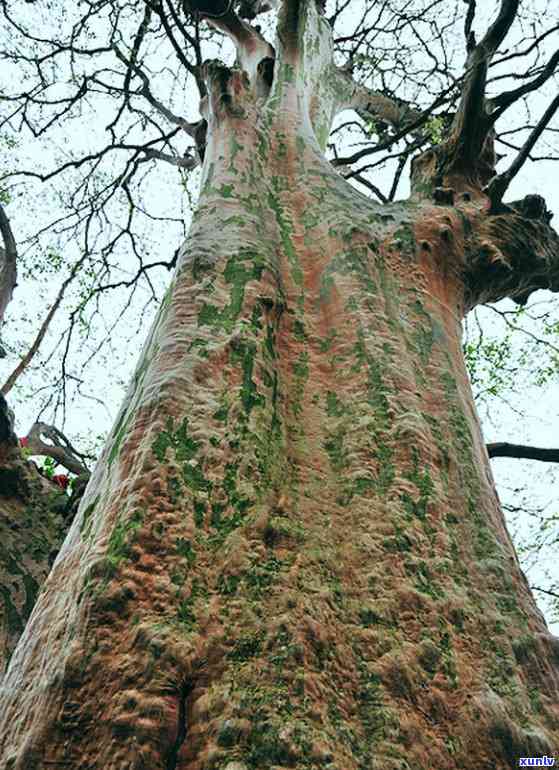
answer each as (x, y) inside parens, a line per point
(354, 262)
(376, 388)
(185, 446)
(185, 693)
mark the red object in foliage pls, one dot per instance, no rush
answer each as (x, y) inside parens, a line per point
(24, 441)
(61, 479)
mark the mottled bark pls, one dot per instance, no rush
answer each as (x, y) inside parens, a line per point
(291, 553)
(32, 527)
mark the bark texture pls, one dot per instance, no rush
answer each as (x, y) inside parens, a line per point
(32, 528)
(8, 267)
(291, 553)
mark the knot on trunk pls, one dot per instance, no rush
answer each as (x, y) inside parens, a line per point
(200, 138)
(514, 254)
(226, 90)
(441, 167)
(444, 196)
(233, 92)
(533, 207)
(250, 9)
(266, 70)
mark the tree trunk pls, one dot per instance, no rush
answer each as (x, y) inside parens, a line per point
(291, 553)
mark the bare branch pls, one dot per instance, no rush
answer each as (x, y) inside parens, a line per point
(376, 105)
(136, 46)
(535, 43)
(157, 7)
(187, 162)
(147, 94)
(498, 31)
(370, 186)
(498, 186)
(523, 452)
(471, 124)
(503, 101)
(546, 591)
(391, 107)
(468, 32)
(61, 450)
(170, 265)
(28, 357)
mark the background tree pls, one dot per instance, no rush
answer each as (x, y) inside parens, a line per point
(316, 518)
(34, 514)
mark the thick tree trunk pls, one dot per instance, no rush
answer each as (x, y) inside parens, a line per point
(291, 553)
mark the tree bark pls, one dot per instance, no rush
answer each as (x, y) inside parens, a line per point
(291, 552)
(32, 528)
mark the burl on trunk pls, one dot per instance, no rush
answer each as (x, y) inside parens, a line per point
(291, 553)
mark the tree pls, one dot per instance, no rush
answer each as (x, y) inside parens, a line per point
(291, 552)
(35, 511)
(33, 524)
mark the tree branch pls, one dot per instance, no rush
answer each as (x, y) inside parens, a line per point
(468, 32)
(147, 94)
(61, 450)
(187, 162)
(250, 44)
(388, 109)
(8, 262)
(140, 34)
(520, 451)
(516, 252)
(157, 8)
(471, 125)
(498, 31)
(28, 357)
(547, 592)
(503, 101)
(376, 105)
(498, 186)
